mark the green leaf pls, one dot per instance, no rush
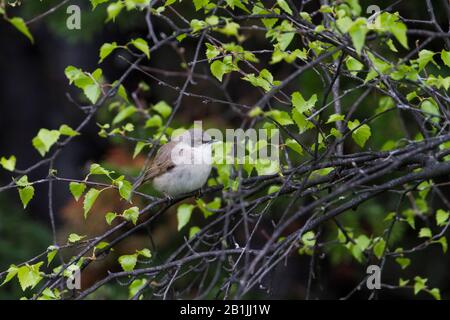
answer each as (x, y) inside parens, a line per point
(89, 200)
(284, 5)
(95, 3)
(335, 117)
(200, 4)
(26, 194)
(11, 273)
(184, 213)
(51, 255)
(218, 69)
(425, 57)
(113, 10)
(132, 4)
(29, 276)
(391, 45)
(443, 242)
(323, 171)
(302, 105)
(442, 217)
(402, 282)
(110, 216)
(425, 233)
(237, 3)
(403, 262)
(23, 182)
(435, 293)
(128, 262)
(360, 135)
(358, 32)
(102, 245)
(77, 189)
(48, 294)
(256, 111)
(266, 167)
(230, 29)
(154, 122)
(45, 139)
(420, 284)
(344, 24)
(137, 284)
(390, 22)
(125, 188)
(273, 189)
(92, 92)
(353, 65)
(294, 145)
(73, 238)
(279, 55)
(121, 91)
(85, 81)
(141, 45)
(399, 31)
(385, 103)
(409, 217)
(97, 169)
(438, 82)
(131, 214)
(138, 148)
(193, 231)
(106, 49)
(20, 25)
(163, 108)
(355, 7)
(73, 74)
(211, 51)
(362, 242)
(8, 164)
(431, 109)
(209, 208)
(284, 37)
(378, 248)
(197, 25)
(145, 253)
(67, 131)
(309, 239)
(263, 80)
(282, 117)
(124, 114)
(335, 133)
(445, 56)
(181, 37)
(300, 120)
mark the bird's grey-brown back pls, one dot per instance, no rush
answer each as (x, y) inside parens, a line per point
(162, 161)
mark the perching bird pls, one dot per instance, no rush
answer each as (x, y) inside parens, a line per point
(182, 165)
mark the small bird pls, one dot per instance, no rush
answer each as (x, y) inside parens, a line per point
(182, 165)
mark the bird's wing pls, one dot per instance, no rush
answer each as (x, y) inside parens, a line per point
(161, 163)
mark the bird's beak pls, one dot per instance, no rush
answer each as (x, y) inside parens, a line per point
(213, 141)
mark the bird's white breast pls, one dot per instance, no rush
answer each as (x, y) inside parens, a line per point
(188, 175)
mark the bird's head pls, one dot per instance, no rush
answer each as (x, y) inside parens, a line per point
(195, 138)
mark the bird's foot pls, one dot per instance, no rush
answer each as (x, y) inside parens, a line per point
(168, 197)
(200, 192)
